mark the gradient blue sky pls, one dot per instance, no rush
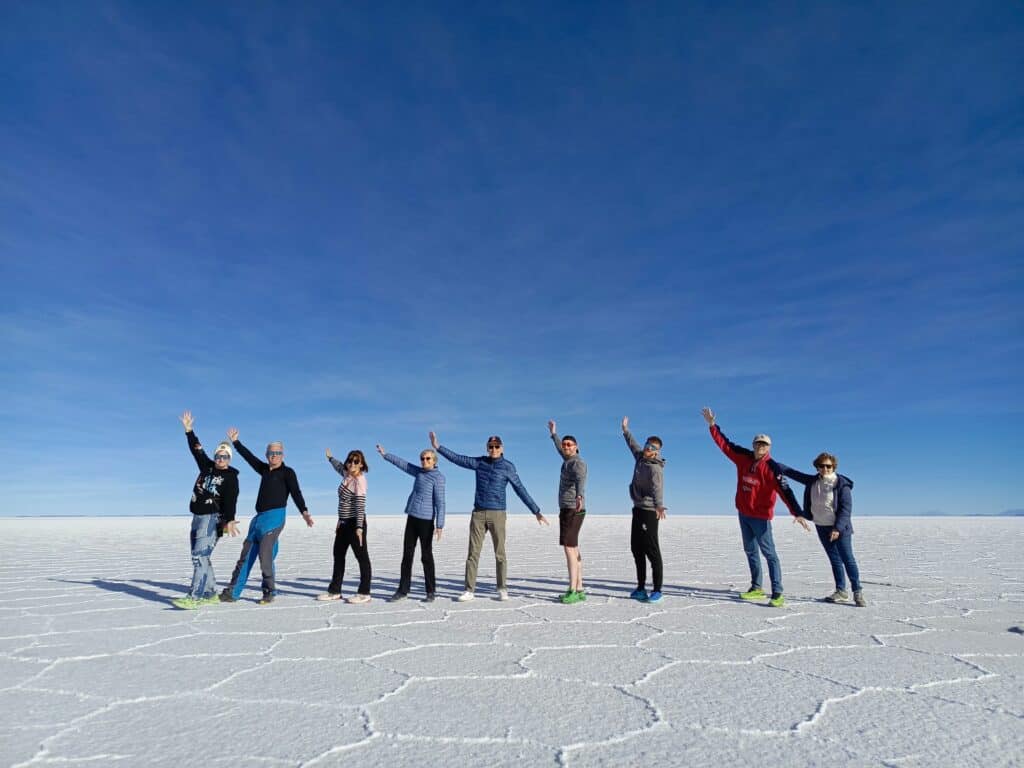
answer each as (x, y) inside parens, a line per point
(337, 224)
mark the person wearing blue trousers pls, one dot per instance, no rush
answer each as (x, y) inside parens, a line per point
(277, 483)
(214, 496)
(828, 502)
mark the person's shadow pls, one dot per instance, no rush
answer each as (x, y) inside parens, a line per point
(132, 588)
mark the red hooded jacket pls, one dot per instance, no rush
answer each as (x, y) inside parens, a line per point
(758, 481)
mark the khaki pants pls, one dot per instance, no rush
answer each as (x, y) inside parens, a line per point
(484, 520)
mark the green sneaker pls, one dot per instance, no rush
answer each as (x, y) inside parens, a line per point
(186, 603)
(211, 600)
(572, 597)
(754, 593)
(777, 601)
(582, 595)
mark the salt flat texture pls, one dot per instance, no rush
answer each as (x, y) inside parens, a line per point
(96, 668)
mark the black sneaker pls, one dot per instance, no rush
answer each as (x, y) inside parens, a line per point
(398, 596)
(268, 598)
(227, 597)
(430, 597)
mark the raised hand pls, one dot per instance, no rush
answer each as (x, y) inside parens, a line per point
(434, 442)
(232, 434)
(552, 428)
(709, 416)
(380, 449)
(186, 420)
(625, 423)
(327, 452)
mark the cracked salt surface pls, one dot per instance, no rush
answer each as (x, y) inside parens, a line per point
(96, 668)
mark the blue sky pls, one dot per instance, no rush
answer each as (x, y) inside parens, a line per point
(340, 224)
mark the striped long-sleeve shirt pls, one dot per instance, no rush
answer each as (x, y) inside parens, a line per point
(351, 495)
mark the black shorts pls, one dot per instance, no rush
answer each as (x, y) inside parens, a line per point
(569, 523)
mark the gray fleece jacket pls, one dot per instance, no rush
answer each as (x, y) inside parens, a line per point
(646, 490)
(573, 479)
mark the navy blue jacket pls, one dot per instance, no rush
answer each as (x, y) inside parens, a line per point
(492, 475)
(842, 497)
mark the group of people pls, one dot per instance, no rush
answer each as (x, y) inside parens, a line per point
(760, 481)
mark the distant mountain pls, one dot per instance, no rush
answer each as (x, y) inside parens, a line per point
(1014, 513)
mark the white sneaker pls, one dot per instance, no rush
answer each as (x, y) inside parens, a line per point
(329, 596)
(358, 599)
(503, 594)
(465, 597)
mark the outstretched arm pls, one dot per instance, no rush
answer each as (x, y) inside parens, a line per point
(521, 492)
(402, 464)
(632, 444)
(793, 474)
(468, 462)
(246, 454)
(786, 492)
(195, 447)
(553, 429)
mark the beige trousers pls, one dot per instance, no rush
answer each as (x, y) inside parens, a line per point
(481, 521)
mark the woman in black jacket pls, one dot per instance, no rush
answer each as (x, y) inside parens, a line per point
(214, 497)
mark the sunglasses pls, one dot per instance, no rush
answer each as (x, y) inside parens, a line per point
(426, 458)
(824, 466)
(274, 453)
(353, 461)
(493, 447)
(651, 447)
(221, 457)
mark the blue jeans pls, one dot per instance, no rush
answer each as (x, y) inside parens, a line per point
(758, 534)
(840, 555)
(203, 538)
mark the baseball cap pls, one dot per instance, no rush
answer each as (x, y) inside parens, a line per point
(762, 438)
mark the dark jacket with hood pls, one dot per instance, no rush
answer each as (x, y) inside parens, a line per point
(215, 490)
(842, 497)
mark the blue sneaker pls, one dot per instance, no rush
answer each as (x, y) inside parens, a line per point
(654, 597)
(638, 594)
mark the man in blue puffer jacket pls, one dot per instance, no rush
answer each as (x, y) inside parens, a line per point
(493, 474)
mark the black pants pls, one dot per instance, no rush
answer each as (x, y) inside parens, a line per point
(643, 541)
(345, 537)
(422, 531)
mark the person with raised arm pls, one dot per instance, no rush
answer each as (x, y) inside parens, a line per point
(214, 496)
(572, 482)
(351, 529)
(277, 483)
(493, 474)
(828, 499)
(424, 520)
(646, 491)
(759, 483)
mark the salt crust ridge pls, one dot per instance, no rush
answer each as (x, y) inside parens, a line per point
(97, 669)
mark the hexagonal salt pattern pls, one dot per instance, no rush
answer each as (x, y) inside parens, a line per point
(97, 668)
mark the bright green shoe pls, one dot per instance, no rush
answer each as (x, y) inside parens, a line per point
(211, 600)
(582, 595)
(572, 597)
(186, 603)
(777, 601)
(754, 593)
